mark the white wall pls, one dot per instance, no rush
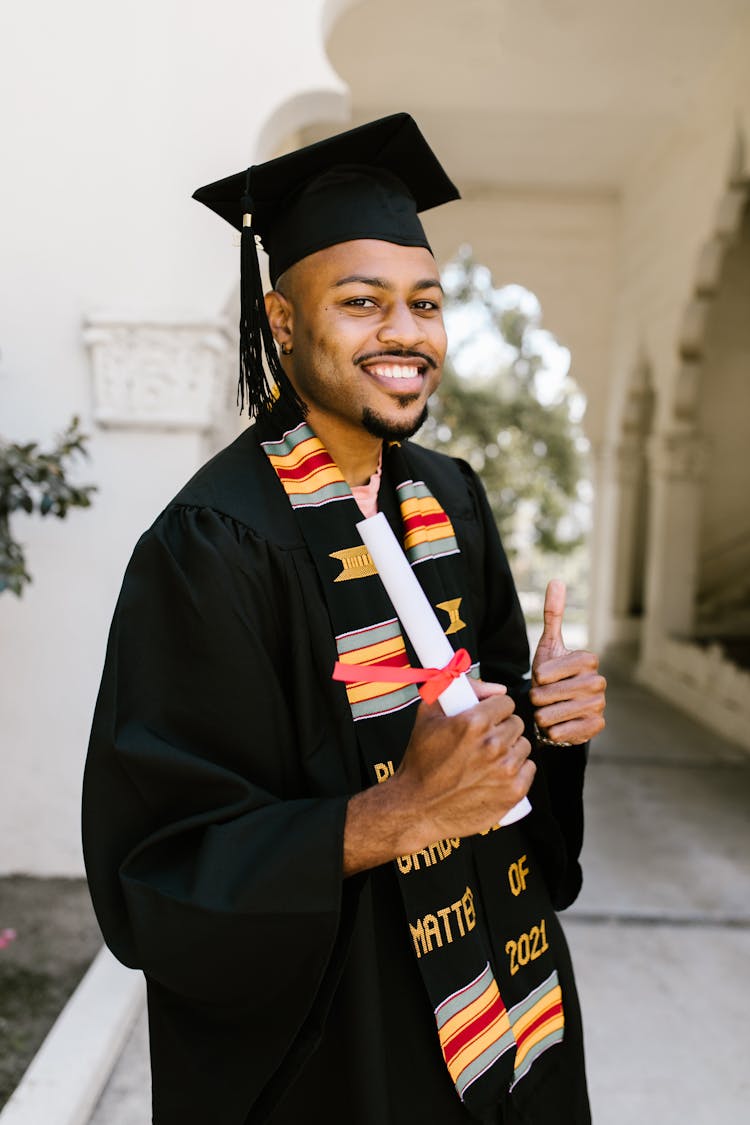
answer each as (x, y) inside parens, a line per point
(111, 117)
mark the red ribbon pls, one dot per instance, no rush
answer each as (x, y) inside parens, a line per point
(434, 680)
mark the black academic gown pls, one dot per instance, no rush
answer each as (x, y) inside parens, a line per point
(221, 759)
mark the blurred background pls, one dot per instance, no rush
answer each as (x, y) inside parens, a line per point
(598, 280)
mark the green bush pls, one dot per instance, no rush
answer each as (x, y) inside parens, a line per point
(34, 481)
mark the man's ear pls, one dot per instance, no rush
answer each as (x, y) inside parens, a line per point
(279, 313)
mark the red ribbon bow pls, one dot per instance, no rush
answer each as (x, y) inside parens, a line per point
(434, 680)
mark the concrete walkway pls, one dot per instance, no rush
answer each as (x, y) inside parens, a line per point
(660, 934)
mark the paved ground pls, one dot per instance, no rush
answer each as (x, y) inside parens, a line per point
(661, 931)
(660, 934)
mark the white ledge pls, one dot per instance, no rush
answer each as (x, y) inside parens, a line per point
(69, 1071)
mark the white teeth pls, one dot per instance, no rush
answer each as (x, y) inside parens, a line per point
(394, 371)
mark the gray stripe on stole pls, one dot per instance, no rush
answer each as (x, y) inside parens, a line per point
(394, 700)
(372, 636)
(466, 996)
(435, 549)
(339, 490)
(289, 442)
(412, 489)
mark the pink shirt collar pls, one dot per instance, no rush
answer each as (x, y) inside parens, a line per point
(366, 495)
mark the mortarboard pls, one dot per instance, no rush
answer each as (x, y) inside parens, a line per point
(369, 182)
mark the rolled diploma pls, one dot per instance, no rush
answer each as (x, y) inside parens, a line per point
(420, 623)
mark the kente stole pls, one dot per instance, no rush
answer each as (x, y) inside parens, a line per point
(481, 925)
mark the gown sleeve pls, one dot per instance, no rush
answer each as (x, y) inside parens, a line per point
(555, 824)
(209, 867)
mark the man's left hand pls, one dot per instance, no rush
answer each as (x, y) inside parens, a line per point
(567, 690)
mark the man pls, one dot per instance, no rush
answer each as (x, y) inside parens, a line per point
(312, 876)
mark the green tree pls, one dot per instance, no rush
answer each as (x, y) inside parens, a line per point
(499, 409)
(33, 481)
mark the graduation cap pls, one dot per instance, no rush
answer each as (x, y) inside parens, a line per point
(369, 182)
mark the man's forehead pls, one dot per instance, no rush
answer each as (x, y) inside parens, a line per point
(362, 261)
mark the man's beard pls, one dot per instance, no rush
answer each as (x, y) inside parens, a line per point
(391, 431)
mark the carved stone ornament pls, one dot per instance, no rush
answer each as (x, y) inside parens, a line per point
(164, 374)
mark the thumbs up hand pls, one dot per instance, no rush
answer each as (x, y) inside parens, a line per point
(566, 688)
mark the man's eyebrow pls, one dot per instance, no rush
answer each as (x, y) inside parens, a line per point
(381, 283)
(429, 283)
(359, 279)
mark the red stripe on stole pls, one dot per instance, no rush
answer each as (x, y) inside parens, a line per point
(400, 660)
(306, 467)
(543, 1018)
(477, 1026)
(432, 519)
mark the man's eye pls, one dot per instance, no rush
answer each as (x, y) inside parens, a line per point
(361, 303)
(427, 306)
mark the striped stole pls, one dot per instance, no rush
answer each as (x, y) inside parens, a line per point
(485, 947)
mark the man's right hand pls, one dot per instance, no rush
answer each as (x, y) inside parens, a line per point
(459, 776)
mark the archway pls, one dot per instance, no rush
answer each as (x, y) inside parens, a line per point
(722, 595)
(698, 598)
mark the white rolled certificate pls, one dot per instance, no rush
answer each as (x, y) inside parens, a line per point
(419, 621)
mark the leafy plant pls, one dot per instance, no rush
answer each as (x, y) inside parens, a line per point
(34, 481)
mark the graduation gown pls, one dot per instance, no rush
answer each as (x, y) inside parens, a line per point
(221, 760)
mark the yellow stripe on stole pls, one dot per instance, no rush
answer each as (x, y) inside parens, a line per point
(371, 654)
(425, 506)
(363, 692)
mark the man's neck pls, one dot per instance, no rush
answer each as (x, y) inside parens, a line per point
(355, 451)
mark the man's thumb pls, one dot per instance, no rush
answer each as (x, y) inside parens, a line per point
(551, 641)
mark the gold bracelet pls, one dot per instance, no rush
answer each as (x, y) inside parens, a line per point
(545, 740)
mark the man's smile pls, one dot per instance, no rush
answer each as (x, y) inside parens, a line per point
(404, 374)
(393, 371)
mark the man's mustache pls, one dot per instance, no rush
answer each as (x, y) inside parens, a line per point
(396, 353)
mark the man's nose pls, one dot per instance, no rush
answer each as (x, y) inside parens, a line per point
(401, 327)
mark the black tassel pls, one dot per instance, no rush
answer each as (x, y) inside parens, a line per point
(262, 380)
